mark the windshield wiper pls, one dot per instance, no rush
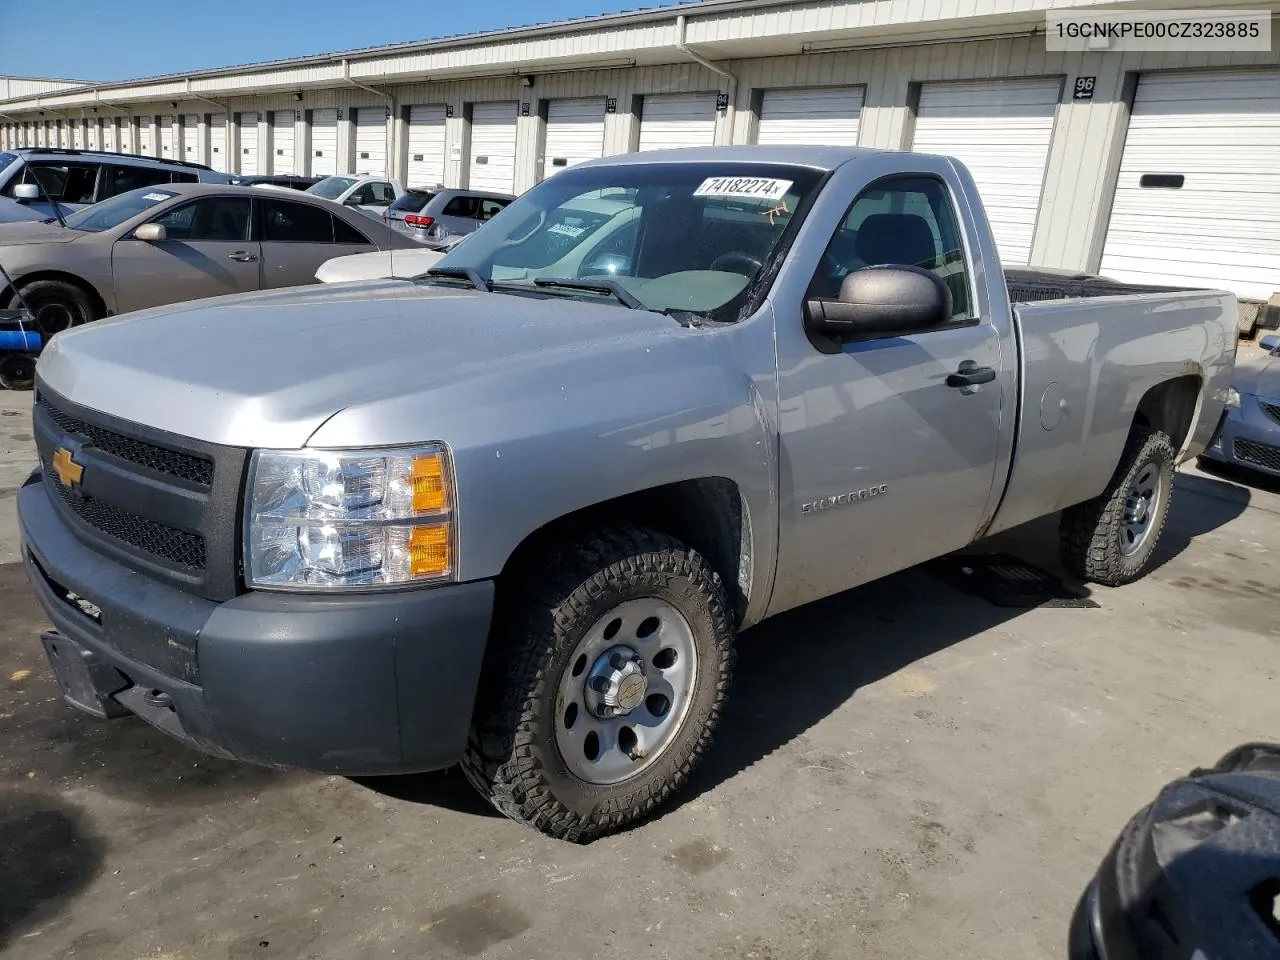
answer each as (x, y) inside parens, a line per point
(611, 287)
(460, 273)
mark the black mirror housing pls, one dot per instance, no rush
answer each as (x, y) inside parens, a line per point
(880, 301)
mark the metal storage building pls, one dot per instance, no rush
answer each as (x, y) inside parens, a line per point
(1169, 171)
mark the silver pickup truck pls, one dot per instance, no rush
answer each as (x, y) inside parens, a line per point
(513, 513)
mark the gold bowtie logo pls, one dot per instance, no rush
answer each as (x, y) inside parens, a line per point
(64, 465)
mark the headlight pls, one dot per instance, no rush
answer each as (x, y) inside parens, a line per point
(1233, 397)
(335, 519)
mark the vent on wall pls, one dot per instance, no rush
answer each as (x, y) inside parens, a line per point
(364, 156)
(1171, 181)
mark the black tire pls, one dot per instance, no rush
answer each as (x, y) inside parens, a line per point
(56, 305)
(1091, 531)
(512, 756)
(17, 371)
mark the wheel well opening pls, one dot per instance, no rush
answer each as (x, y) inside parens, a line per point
(1170, 406)
(99, 306)
(707, 514)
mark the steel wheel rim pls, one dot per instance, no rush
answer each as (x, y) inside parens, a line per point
(54, 317)
(1142, 502)
(605, 750)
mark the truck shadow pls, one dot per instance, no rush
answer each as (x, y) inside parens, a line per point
(797, 668)
(47, 856)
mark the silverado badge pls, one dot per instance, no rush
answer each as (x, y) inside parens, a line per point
(69, 472)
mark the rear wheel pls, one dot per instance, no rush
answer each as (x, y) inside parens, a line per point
(603, 686)
(1112, 539)
(56, 305)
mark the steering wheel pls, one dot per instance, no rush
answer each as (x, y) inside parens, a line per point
(738, 261)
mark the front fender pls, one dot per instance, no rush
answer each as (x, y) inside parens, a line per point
(536, 441)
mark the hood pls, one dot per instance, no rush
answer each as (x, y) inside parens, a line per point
(34, 231)
(1259, 377)
(267, 369)
(377, 266)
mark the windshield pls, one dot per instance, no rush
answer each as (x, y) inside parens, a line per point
(113, 212)
(331, 188)
(670, 236)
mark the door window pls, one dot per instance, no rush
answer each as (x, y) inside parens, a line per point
(343, 232)
(491, 208)
(68, 182)
(214, 219)
(285, 222)
(362, 194)
(122, 178)
(899, 220)
(383, 193)
(461, 207)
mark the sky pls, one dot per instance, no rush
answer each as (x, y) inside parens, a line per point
(107, 40)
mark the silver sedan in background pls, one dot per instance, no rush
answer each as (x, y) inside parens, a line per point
(164, 244)
(1250, 434)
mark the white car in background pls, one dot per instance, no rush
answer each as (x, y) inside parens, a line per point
(370, 194)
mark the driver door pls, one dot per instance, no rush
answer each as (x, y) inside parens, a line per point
(207, 253)
(883, 464)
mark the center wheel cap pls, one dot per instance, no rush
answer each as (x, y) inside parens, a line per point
(616, 684)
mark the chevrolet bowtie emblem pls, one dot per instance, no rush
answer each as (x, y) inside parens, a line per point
(64, 465)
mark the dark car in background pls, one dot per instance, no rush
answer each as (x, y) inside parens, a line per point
(78, 178)
(433, 215)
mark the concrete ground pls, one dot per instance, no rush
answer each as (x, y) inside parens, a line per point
(905, 771)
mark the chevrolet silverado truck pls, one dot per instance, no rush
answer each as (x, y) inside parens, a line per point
(512, 513)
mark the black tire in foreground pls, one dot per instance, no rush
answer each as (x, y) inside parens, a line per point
(604, 679)
(1112, 538)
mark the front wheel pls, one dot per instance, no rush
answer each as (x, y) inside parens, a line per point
(603, 686)
(1112, 538)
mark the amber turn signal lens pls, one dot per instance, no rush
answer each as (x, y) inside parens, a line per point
(430, 493)
(429, 551)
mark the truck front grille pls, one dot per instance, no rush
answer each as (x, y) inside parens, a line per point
(176, 546)
(163, 504)
(1259, 454)
(172, 463)
(1271, 410)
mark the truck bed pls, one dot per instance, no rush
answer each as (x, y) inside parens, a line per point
(1029, 285)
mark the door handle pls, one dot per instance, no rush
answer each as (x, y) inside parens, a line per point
(242, 256)
(970, 375)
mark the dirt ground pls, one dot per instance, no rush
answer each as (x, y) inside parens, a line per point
(905, 771)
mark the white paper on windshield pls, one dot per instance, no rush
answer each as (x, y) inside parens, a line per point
(157, 196)
(566, 230)
(760, 188)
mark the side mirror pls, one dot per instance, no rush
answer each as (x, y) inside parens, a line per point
(151, 233)
(1270, 343)
(26, 192)
(881, 301)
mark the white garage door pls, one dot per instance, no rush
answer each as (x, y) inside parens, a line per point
(575, 132)
(77, 134)
(110, 137)
(678, 120)
(1198, 198)
(147, 145)
(426, 146)
(191, 138)
(282, 151)
(493, 147)
(827, 116)
(248, 143)
(93, 134)
(1000, 130)
(128, 136)
(371, 141)
(166, 139)
(324, 142)
(218, 141)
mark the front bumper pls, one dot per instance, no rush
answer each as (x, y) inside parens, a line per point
(1249, 438)
(352, 685)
